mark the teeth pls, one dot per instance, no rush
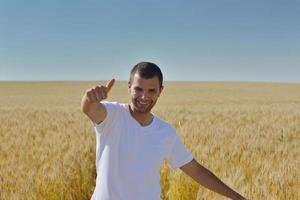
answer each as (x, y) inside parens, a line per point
(143, 103)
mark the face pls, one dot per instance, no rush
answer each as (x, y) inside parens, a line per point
(144, 93)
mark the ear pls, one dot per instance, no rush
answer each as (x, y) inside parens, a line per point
(129, 86)
(161, 89)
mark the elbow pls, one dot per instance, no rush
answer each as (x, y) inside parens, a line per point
(85, 109)
(84, 106)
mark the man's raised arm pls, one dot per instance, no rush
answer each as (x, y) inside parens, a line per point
(90, 103)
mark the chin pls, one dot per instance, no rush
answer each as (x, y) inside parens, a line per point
(142, 110)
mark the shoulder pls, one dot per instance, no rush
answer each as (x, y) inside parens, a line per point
(165, 126)
(113, 105)
(114, 111)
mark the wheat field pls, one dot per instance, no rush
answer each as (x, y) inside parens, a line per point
(248, 134)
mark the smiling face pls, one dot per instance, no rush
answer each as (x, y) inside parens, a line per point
(144, 93)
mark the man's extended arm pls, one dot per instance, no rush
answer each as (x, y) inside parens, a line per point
(207, 179)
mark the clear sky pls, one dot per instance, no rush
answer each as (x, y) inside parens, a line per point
(247, 40)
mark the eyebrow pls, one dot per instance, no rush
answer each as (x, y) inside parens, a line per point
(139, 88)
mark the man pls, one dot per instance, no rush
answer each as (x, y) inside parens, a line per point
(132, 143)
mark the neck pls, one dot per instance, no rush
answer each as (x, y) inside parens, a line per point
(143, 118)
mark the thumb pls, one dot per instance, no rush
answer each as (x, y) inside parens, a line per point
(110, 84)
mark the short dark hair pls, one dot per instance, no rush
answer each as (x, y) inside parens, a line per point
(147, 70)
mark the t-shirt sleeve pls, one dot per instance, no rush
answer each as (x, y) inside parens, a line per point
(178, 155)
(111, 110)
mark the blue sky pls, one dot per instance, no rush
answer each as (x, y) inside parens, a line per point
(236, 40)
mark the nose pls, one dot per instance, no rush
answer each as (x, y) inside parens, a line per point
(144, 95)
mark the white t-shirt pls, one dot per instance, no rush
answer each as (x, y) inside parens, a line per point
(129, 156)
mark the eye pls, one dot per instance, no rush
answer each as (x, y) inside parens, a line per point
(152, 91)
(138, 89)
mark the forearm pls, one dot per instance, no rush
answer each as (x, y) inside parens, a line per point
(85, 104)
(207, 179)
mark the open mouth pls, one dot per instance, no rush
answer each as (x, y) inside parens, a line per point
(142, 103)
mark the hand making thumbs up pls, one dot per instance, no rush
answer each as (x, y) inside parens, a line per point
(99, 92)
(90, 101)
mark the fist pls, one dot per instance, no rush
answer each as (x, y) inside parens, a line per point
(99, 92)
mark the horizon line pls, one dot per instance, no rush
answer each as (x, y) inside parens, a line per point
(170, 80)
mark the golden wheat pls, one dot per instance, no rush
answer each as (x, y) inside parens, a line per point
(248, 134)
